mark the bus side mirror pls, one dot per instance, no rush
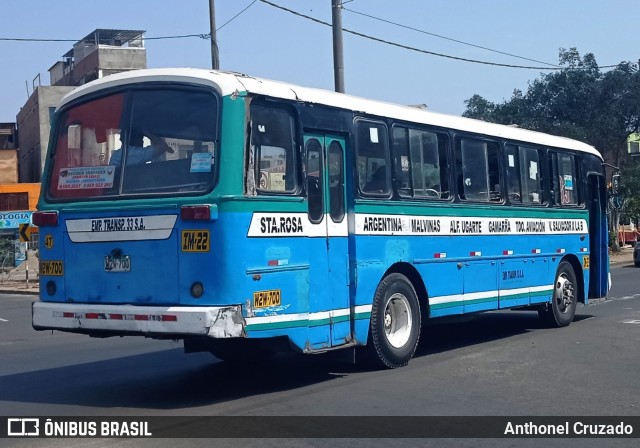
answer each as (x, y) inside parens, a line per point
(615, 184)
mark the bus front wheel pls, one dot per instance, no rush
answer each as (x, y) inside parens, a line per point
(395, 322)
(564, 301)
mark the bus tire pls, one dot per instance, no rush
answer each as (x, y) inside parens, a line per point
(394, 328)
(564, 301)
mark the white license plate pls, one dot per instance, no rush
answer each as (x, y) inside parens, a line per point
(117, 264)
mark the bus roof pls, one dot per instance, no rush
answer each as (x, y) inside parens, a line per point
(227, 83)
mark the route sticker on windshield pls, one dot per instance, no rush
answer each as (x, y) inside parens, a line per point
(201, 162)
(85, 177)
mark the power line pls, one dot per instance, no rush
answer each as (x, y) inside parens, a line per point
(201, 36)
(236, 16)
(25, 39)
(18, 39)
(346, 30)
(446, 38)
(419, 50)
(183, 36)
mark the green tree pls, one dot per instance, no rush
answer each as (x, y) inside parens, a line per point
(7, 251)
(629, 190)
(579, 101)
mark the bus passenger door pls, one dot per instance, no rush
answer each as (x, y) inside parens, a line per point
(329, 288)
(599, 245)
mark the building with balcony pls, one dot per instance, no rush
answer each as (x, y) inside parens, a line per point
(101, 53)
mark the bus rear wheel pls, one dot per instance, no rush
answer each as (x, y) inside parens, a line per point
(564, 301)
(395, 322)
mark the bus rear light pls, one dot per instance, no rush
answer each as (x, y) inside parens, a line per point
(197, 290)
(45, 219)
(195, 213)
(51, 287)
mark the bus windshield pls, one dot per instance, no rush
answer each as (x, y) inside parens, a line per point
(136, 142)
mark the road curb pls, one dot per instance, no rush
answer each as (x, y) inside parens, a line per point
(33, 292)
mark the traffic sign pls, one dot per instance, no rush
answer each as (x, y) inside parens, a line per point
(24, 232)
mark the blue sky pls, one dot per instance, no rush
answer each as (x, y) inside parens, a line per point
(268, 42)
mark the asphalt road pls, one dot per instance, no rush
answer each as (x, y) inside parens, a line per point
(498, 363)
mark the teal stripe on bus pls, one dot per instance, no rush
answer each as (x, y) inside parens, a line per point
(304, 322)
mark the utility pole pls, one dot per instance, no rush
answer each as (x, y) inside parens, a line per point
(215, 58)
(338, 56)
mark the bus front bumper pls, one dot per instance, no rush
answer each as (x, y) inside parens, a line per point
(150, 321)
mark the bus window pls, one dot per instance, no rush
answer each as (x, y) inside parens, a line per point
(177, 131)
(478, 170)
(272, 139)
(524, 183)
(514, 189)
(314, 180)
(564, 185)
(336, 182)
(402, 163)
(421, 163)
(373, 154)
(531, 176)
(87, 135)
(568, 184)
(151, 141)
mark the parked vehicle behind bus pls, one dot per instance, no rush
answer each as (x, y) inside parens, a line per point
(627, 231)
(244, 215)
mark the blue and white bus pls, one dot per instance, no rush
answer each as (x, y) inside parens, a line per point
(241, 215)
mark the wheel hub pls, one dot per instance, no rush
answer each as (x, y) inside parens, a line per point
(564, 293)
(397, 320)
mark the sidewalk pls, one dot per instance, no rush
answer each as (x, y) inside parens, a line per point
(624, 256)
(20, 287)
(15, 281)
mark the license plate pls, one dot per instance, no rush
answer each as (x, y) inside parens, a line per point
(264, 299)
(117, 264)
(51, 267)
(195, 241)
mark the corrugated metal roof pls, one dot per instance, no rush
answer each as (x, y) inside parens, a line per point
(103, 36)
